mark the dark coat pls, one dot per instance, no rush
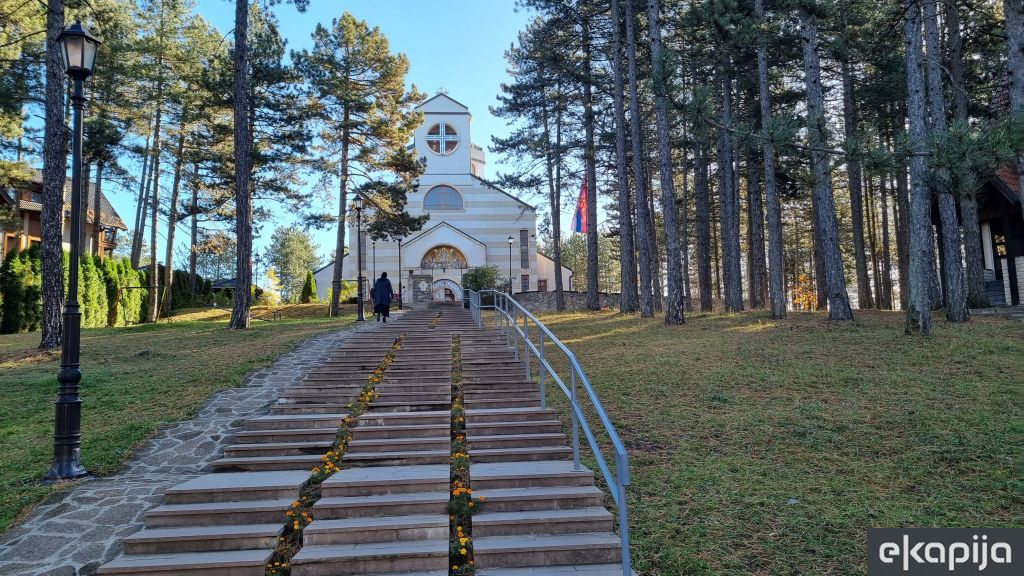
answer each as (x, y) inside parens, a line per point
(382, 292)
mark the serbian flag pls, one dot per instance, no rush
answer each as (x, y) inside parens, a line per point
(580, 223)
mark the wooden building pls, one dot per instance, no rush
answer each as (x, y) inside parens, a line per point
(25, 200)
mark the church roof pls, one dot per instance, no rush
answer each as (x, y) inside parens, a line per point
(440, 98)
(494, 186)
(442, 225)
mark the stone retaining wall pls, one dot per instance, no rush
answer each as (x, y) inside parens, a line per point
(541, 302)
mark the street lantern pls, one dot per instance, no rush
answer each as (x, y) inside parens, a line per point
(510, 240)
(358, 205)
(78, 48)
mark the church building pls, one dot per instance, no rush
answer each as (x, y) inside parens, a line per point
(472, 222)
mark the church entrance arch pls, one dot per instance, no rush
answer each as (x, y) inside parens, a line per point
(446, 290)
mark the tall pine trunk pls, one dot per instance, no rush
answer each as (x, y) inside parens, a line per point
(627, 249)
(728, 194)
(643, 216)
(703, 217)
(953, 274)
(55, 152)
(886, 249)
(919, 217)
(1014, 11)
(194, 240)
(776, 281)
(757, 281)
(97, 211)
(826, 224)
(590, 161)
(140, 205)
(172, 223)
(556, 223)
(670, 215)
(240, 315)
(555, 200)
(853, 171)
(154, 268)
(339, 247)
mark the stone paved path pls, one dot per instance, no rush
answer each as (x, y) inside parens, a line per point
(77, 530)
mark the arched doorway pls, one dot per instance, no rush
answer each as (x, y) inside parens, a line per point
(446, 290)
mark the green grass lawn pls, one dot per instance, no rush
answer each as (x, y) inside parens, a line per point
(135, 380)
(768, 448)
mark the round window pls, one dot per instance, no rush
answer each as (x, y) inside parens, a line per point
(442, 139)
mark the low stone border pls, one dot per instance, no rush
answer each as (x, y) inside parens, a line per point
(75, 531)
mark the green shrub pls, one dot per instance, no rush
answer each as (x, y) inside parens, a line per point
(21, 285)
(308, 293)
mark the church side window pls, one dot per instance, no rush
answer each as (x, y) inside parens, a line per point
(442, 198)
(442, 139)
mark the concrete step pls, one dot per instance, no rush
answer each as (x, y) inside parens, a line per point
(203, 539)
(402, 504)
(570, 570)
(396, 432)
(370, 558)
(383, 405)
(532, 453)
(307, 408)
(317, 448)
(397, 458)
(374, 418)
(235, 487)
(288, 422)
(380, 529)
(490, 475)
(552, 521)
(510, 415)
(294, 435)
(301, 462)
(544, 498)
(547, 549)
(228, 563)
(484, 403)
(218, 513)
(387, 480)
(526, 427)
(384, 444)
(516, 441)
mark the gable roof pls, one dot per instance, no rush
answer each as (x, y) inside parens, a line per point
(494, 187)
(442, 225)
(444, 96)
(108, 215)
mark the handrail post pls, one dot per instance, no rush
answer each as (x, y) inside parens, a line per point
(575, 422)
(542, 372)
(513, 324)
(622, 471)
(526, 345)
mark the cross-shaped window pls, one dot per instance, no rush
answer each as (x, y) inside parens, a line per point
(442, 139)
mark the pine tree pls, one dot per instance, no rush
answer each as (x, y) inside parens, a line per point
(308, 293)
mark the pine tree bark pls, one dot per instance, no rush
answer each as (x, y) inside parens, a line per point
(54, 168)
(590, 162)
(953, 274)
(757, 281)
(674, 267)
(827, 226)
(853, 171)
(556, 223)
(97, 212)
(728, 193)
(643, 219)
(154, 268)
(140, 205)
(194, 240)
(628, 298)
(240, 315)
(172, 223)
(886, 303)
(1014, 11)
(919, 217)
(703, 217)
(776, 281)
(555, 201)
(339, 247)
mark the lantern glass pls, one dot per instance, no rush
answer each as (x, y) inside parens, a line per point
(73, 49)
(510, 240)
(358, 202)
(91, 47)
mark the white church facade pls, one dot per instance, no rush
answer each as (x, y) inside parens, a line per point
(470, 224)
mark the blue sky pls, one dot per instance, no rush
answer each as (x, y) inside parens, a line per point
(456, 45)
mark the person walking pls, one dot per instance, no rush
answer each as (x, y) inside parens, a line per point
(381, 295)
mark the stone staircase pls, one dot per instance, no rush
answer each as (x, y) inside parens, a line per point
(384, 512)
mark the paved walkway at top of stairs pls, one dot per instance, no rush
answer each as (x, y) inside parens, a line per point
(76, 530)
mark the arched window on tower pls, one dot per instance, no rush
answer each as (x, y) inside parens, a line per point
(442, 198)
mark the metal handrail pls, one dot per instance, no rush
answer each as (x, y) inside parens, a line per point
(508, 321)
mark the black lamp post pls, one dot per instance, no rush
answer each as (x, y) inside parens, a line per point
(374, 275)
(510, 240)
(401, 290)
(358, 204)
(78, 48)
